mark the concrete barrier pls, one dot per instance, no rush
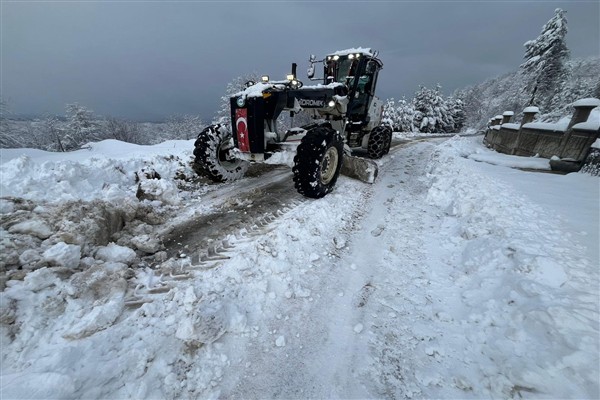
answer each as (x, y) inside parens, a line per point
(570, 143)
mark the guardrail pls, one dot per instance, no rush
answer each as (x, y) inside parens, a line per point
(566, 146)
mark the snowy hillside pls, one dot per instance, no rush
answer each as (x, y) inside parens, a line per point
(453, 276)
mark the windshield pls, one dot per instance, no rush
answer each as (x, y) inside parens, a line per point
(342, 69)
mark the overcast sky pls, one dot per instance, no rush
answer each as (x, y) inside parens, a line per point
(147, 60)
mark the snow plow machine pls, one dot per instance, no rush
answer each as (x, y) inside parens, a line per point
(346, 119)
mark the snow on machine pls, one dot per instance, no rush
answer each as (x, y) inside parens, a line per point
(347, 117)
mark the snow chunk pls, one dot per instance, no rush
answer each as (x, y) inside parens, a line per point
(63, 255)
(115, 253)
(280, 342)
(146, 243)
(100, 318)
(508, 113)
(550, 273)
(35, 228)
(158, 189)
(29, 256)
(358, 328)
(6, 206)
(531, 110)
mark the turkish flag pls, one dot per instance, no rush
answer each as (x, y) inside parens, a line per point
(241, 125)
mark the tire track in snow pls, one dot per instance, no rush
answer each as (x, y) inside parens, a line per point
(385, 262)
(329, 355)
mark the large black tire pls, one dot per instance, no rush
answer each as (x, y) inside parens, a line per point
(379, 141)
(318, 162)
(388, 140)
(214, 158)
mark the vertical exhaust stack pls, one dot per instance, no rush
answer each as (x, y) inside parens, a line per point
(294, 65)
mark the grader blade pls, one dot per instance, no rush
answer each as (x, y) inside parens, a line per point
(363, 169)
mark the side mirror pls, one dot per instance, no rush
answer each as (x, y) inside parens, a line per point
(311, 69)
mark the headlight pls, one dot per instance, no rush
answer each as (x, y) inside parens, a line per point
(331, 103)
(265, 78)
(290, 77)
(336, 57)
(350, 56)
(241, 101)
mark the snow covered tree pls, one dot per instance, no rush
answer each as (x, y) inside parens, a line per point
(53, 133)
(81, 127)
(390, 115)
(8, 137)
(185, 126)
(236, 85)
(434, 114)
(457, 111)
(124, 131)
(545, 59)
(406, 116)
(400, 116)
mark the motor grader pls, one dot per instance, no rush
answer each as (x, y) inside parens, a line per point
(346, 117)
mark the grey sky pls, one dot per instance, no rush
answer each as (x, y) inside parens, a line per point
(149, 60)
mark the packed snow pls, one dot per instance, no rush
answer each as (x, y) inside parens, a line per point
(455, 275)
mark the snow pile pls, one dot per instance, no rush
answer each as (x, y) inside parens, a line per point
(58, 207)
(529, 297)
(107, 171)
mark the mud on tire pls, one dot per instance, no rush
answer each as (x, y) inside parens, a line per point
(318, 162)
(379, 141)
(213, 156)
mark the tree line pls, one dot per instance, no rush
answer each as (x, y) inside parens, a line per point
(80, 126)
(428, 112)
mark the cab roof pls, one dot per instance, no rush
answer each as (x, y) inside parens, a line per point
(362, 50)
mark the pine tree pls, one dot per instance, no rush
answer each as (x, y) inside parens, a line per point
(434, 113)
(545, 59)
(457, 110)
(390, 115)
(405, 116)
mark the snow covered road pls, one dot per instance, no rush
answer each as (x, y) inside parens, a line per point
(447, 278)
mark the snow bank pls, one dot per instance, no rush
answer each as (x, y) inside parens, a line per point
(107, 171)
(529, 296)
